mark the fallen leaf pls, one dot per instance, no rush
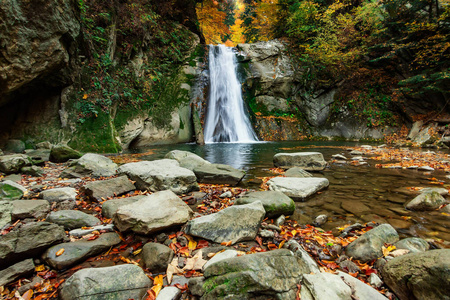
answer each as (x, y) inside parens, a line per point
(226, 243)
(27, 295)
(39, 268)
(59, 252)
(195, 263)
(172, 269)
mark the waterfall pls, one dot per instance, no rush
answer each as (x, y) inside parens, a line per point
(226, 120)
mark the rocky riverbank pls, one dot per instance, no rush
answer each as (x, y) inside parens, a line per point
(180, 228)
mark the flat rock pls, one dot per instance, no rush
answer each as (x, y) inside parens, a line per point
(39, 155)
(5, 213)
(82, 232)
(13, 163)
(34, 171)
(234, 223)
(93, 165)
(153, 213)
(187, 159)
(159, 175)
(59, 194)
(218, 174)
(297, 172)
(227, 254)
(78, 251)
(97, 190)
(169, 293)
(274, 203)
(10, 190)
(62, 153)
(309, 161)
(422, 275)
(156, 256)
(72, 219)
(440, 191)
(413, 244)
(110, 207)
(399, 224)
(308, 264)
(297, 188)
(16, 271)
(369, 245)
(117, 282)
(426, 201)
(355, 207)
(23, 209)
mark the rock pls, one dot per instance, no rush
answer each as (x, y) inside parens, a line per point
(413, 244)
(62, 153)
(16, 271)
(195, 285)
(226, 194)
(275, 273)
(227, 254)
(355, 207)
(375, 281)
(38, 156)
(368, 246)
(97, 190)
(309, 161)
(117, 282)
(425, 168)
(426, 201)
(82, 232)
(309, 265)
(35, 281)
(399, 224)
(280, 220)
(23, 209)
(266, 233)
(9, 190)
(110, 207)
(72, 219)
(153, 213)
(218, 174)
(234, 223)
(169, 293)
(356, 152)
(320, 220)
(297, 188)
(158, 175)
(275, 203)
(187, 159)
(13, 177)
(297, 172)
(13, 163)
(78, 251)
(349, 266)
(93, 165)
(29, 240)
(44, 145)
(415, 130)
(424, 137)
(59, 194)
(423, 275)
(440, 191)
(156, 257)
(339, 157)
(34, 171)
(5, 213)
(15, 146)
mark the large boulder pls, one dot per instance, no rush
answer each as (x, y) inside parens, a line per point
(93, 165)
(218, 174)
(117, 282)
(153, 213)
(275, 203)
(78, 251)
(235, 223)
(13, 163)
(29, 240)
(159, 175)
(426, 201)
(23, 209)
(9, 190)
(110, 207)
(309, 161)
(16, 271)
(15, 146)
(62, 153)
(423, 275)
(59, 194)
(71, 219)
(97, 190)
(187, 159)
(369, 245)
(274, 274)
(297, 188)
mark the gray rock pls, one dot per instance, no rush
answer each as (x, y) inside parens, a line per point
(15, 146)
(218, 174)
(413, 244)
(272, 273)
(5, 213)
(44, 145)
(59, 194)
(39, 155)
(297, 172)
(308, 264)
(23, 209)
(234, 223)
(93, 165)
(28, 241)
(355, 207)
(297, 188)
(158, 175)
(309, 161)
(195, 285)
(426, 201)
(275, 203)
(339, 156)
(16, 271)
(78, 251)
(415, 129)
(425, 168)
(153, 213)
(110, 207)
(320, 220)
(423, 275)
(97, 190)
(369, 245)
(226, 194)
(280, 220)
(266, 233)
(32, 171)
(72, 219)
(117, 282)
(62, 153)
(10, 190)
(441, 191)
(375, 281)
(156, 257)
(356, 152)
(13, 163)
(13, 177)
(187, 159)
(169, 293)
(227, 254)
(82, 232)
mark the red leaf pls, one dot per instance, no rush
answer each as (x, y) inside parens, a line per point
(181, 287)
(259, 240)
(202, 244)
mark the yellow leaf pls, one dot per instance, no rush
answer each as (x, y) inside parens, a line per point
(281, 244)
(39, 268)
(59, 252)
(85, 96)
(387, 250)
(137, 252)
(192, 245)
(157, 284)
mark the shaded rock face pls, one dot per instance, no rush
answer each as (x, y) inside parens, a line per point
(62, 153)
(424, 275)
(15, 271)
(156, 256)
(275, 203)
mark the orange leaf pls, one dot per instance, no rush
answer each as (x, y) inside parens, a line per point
(226, 243)
(28, 294)
(59, 252)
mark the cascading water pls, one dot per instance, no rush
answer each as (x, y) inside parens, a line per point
(226, 120)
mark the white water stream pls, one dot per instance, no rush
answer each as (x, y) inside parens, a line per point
(226, 120)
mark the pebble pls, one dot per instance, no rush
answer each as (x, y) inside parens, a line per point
(375, 281)
(339, 156)
(227, 194)
(266, 233)
(320, 220)
(280, 220)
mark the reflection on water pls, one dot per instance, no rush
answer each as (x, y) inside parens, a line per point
(238, 156)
